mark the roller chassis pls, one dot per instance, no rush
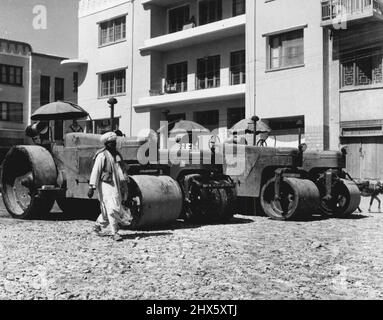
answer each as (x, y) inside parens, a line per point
(289, 184)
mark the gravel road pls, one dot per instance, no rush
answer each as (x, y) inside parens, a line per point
(249, 258)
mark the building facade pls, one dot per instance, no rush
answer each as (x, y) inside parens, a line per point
(15, 65)
(27, 81)
(197, 53)
(162, 60)
(211, 61)
(356, 83)
(299, 65)
(105, 62)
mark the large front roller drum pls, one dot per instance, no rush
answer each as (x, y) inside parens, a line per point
(25, 170)
(297, 198)
(158, 201)
(345, 199)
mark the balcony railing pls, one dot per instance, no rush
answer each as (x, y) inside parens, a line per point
(332, 9)
(176, 86)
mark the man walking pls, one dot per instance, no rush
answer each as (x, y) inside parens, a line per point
(108, 178)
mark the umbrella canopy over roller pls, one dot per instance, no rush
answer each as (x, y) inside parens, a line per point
(183, 126)
(59, 110)
(247, 126)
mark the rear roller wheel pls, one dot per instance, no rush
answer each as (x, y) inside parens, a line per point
(209, 205)
(297, 198)
(25, 170)
(345, 199)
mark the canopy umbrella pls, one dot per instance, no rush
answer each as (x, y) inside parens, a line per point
(188, 126)
(247, 126)
(183, 126)
(59, 110)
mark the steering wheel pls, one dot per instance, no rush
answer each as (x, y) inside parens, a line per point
(261, 143)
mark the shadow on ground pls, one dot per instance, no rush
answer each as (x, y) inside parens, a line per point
(142, 235)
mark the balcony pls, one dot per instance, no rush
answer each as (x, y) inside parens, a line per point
(336, 12)
(198, 35)
(163, 3)
(160, 100)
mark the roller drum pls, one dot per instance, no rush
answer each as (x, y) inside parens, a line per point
(25, 170)
(297, 198)
(159, 201)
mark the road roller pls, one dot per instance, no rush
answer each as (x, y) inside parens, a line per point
(33, 177)
(293, 183)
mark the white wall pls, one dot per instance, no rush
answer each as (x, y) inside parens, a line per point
(103, 59)
(296, 91)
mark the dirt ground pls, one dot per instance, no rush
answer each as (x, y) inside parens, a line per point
(249, 258)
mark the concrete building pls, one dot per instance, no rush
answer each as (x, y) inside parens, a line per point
(160, 64)
(211, 61)
(290, 73)
(27, 81)
(355, 30)
(15, 84)
(196, 51)
(106, 49)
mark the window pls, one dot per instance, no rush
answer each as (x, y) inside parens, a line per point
(59, 89)
(208, 72)
(178, 17)
(237, 67)
(11, 112)
(11, 75)
(208, 119)
(234, 115)
(239, 7)
(176, 117)
(176, 80)
(99, 126)
(210, 11)
(75, 82)
(286, 50)
(112, 83)
(362, 68)
(45, 85)
(112, 31)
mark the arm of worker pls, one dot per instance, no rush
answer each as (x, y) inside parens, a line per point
(96, 174)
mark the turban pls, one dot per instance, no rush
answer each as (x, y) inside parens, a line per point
(107, 137)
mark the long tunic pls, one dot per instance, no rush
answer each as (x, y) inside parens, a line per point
(106, 177)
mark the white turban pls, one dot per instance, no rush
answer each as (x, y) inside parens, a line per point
(107, 137)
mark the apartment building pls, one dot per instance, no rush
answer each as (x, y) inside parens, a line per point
(15, 65)
(290, 73)
(210, 61)
(197, 55)
(27, 81)
(105, 62)
(355, 29)
(162, 60)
